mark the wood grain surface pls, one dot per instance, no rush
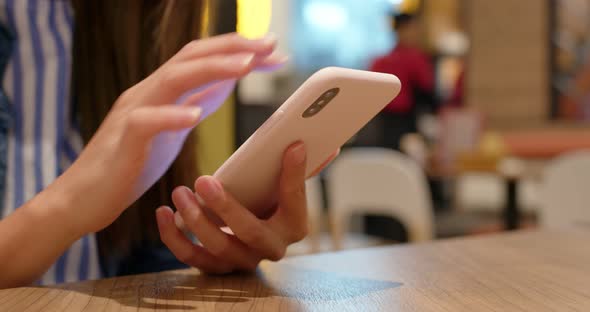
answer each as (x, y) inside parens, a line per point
(523, 271)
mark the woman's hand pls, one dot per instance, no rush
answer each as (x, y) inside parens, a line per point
(145, 130)
(134, 146)
(249, 239)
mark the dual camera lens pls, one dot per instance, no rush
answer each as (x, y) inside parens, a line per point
(321, 102)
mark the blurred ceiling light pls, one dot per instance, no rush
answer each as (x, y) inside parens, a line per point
(325, 15)
(254, 17)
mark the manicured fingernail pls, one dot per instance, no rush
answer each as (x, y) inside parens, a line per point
(211, 190)
(241, 60)
(195, 113)
(282, 58)
(270, 39)
(277, 58)
(298, 153)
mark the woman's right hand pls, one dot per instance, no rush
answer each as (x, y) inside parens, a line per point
(145, 130)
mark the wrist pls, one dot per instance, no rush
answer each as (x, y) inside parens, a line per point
(59, 205)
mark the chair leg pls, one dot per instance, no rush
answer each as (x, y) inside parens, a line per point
(337, 232)
(314, 236)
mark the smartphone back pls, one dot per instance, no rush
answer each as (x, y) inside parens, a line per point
(343, 101)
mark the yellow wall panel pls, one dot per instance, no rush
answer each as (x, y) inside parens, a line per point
(254, 17)
(216, 138)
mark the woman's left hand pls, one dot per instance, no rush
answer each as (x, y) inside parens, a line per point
(249, 239)
(147, 126)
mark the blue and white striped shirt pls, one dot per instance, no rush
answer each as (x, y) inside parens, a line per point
(43, 140)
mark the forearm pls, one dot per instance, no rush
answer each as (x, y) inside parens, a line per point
(35, 235)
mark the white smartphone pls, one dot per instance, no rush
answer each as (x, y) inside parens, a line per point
(326, 111)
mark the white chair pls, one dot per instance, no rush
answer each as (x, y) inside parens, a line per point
(486, 192)
(565, 195)
(383, 182)
(528, 195)
(480, 192)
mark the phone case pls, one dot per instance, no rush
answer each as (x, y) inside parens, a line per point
(252, 173)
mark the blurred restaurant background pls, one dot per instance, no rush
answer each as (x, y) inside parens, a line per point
(499, 144)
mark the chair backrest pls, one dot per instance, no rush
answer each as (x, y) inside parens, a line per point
(565, 195)
(379, 181)
(482, 192)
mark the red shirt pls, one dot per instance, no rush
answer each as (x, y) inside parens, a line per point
(414, 70)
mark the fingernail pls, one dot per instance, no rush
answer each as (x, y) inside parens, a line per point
(270, 39)
(282, 58)
(211, 190)
(241, 60)
(195, 113)
(277, 58)
(272, 62)
(298, 153)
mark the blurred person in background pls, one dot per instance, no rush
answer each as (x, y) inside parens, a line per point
(414, 68)
(97, 105)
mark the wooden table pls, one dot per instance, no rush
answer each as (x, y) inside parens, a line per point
(546, 143)
(519, 271)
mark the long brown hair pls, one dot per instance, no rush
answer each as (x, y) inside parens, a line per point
(117, 44)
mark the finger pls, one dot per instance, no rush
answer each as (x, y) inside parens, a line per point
(210, 99)
(220, 90)
(177, 79)
(271, 62)
(179, 221)
(212, 96)
(213, 90)
(246, 226)
(325, 164)
(183, 249)
(291, 215)
(210, 235)
(146, 122)
(227, 44)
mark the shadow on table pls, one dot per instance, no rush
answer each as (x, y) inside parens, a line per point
(164, 290)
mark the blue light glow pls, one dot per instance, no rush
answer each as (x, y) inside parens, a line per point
(346, 33)
(325, 16)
